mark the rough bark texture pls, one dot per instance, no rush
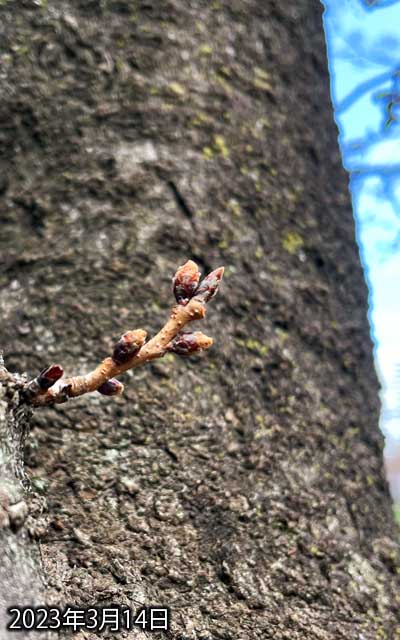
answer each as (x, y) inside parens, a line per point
(21, 579)
(244, 489)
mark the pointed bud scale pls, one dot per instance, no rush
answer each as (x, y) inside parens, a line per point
(128, 346)
(185, 282)
(111, 387)
(49, 376)
(208, 287)
(187, 343)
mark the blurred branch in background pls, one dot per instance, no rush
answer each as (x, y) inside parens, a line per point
(364, 56)
(378, 4)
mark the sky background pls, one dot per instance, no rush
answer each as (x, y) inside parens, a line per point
(363, 40)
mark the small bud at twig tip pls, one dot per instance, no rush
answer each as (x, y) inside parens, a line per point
(208, 287)
(49, 376)
(185, 282)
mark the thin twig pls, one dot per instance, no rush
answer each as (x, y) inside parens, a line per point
(132, 350)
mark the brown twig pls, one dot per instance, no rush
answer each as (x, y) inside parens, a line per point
(132, 350)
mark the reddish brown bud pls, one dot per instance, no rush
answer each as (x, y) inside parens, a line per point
(111, 387)
(185, 282)
(208, 287)
(49, 376)
(187, 343)
(128, 345)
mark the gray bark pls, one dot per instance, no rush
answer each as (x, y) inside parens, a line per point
(21, 575)
(244, 489)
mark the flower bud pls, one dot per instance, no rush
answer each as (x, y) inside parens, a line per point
(188, 342)
(185, 282)
(128, 346)
(49, 376)
(111, 387)
(208, 287)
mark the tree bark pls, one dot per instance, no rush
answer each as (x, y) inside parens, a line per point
(21, 577)
(245, 488)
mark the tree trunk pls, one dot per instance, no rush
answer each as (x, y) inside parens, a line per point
(21, 579)
(243, 489)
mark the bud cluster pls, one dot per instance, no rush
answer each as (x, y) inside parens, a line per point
(190, 292)
(186, 283)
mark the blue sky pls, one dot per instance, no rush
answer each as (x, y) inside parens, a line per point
(364, 54)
